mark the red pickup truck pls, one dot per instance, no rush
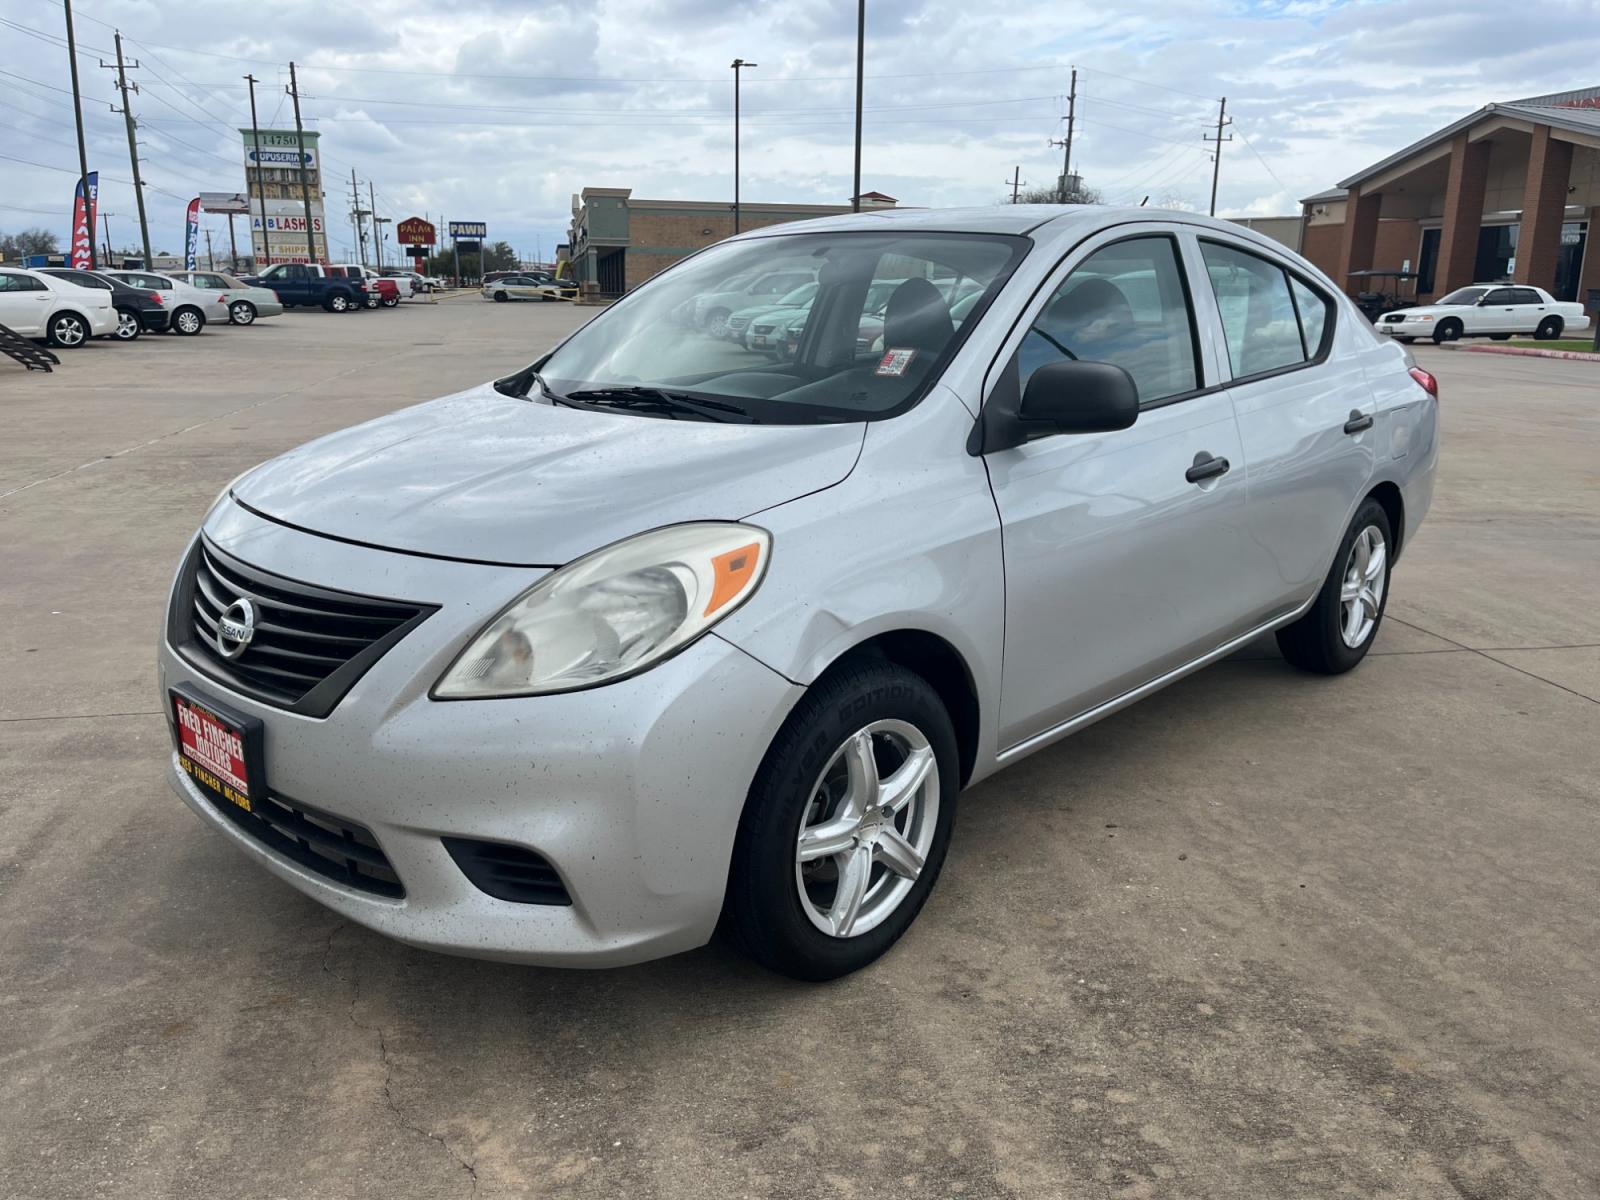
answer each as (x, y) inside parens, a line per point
(379, 290)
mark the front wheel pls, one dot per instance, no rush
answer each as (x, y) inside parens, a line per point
(1447, 331)
(846, 824)
(242, 312)
(188, 321)
(717, 323)
(1338, 629)
(128, 326)
(1549, 329)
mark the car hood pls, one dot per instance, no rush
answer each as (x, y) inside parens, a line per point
(485, 477)
(1429, 310)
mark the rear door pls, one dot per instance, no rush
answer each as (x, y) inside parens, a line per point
(1527, 309)
(1121, 549)
(1307, 417)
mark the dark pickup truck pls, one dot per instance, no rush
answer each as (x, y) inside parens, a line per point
(313, 286)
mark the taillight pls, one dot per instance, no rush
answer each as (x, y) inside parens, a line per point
(157, 297)
(1428, 382)
(222, 299)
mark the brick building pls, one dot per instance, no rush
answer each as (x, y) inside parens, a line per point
(1511, 192)
(619, 242)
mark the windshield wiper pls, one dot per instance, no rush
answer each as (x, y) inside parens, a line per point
(659, 400)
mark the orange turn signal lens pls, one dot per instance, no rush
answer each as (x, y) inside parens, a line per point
(733, 572)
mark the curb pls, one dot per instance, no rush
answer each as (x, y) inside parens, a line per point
(1526, 352)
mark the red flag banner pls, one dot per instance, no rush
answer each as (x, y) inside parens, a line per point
(83, 222)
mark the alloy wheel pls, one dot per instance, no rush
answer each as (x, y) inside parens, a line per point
(338, 304)
(242, 313)
(1361, 596)
(188, 322)
(127, 326)
(68, 331)
(867, 829)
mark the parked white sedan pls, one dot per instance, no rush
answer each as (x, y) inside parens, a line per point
(192, 307)
(37, 305)
(1487, 310)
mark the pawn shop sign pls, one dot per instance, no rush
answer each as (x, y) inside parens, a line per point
(414, 231)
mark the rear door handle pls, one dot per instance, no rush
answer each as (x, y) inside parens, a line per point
(1358, 421)
(1206, 467)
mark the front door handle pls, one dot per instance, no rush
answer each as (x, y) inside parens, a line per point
(1206, 467)
(1358, 421)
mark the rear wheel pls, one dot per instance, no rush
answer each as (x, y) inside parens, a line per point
(241, 312)
(846, 825)
(1447, 330)
(1338, 630)
(1549, 329)
(391, 301)
(188, 321)
(128, 326)
(67, 330)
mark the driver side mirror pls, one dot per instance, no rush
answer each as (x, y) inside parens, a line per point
(1061, 397)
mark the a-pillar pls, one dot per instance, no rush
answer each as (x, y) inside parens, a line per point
(1544, 202)
(1359, 240)
(1463, 214)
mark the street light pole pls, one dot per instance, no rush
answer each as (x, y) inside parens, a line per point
(738, 65)
(861, 58)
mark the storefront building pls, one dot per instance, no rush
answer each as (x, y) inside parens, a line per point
(618, 242)
(1510, 193)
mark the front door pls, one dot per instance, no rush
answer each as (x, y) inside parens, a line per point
(1121, 549)
(24, 304)
(1497, 312)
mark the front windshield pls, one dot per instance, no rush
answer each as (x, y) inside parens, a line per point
(1463, 296)
(790, 329)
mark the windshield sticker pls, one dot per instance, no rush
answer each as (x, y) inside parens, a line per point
(895, 362)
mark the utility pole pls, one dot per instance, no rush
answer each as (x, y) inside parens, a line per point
(1223, 120)
(1066, 154)
(133, 146)
(377, 222)
(861, 59)
(1016, 184)
(211, 259)
(233, 247)
(357, 217)
(300, 145)
(77, 113)
(738, 65)
(261, 186)
(105, 221)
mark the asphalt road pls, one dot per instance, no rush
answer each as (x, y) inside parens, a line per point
(1261, 936)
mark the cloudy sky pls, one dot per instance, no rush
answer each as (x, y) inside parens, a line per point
(500, 111)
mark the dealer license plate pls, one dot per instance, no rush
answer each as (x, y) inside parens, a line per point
(220, 750)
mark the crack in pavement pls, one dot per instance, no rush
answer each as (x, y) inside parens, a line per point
(388, 1063)
(1502, 662)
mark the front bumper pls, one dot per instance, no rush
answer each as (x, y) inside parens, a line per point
(1406, 328)
(632, 792)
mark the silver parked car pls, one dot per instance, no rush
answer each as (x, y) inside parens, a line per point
(191, 307)
(656, 634)
(246, 302)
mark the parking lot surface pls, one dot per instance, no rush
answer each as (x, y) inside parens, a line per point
(1262, 935)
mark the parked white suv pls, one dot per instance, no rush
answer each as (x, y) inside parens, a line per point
(1487, 310)
(36, 305)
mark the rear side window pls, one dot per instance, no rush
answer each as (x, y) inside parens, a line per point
(1270, 319)
(21, 283)
(1125, 304)
(1525, 296)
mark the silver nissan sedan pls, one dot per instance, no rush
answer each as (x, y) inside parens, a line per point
(658, 636)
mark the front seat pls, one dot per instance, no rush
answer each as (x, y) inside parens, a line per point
(917, 318)
(1093, 323)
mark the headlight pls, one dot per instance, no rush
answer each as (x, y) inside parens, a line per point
(1419, 318)
(613, 613)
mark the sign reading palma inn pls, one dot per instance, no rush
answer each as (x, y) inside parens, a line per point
(276, 178)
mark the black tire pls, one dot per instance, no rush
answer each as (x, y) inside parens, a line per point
(1549, 329)
(391, 301)
(1447, 330)
(1405, 340)
(67, 330)
(241, 312)
(501, 297)
(1316, 641)
(338, 302)
(129, 326)
(187, 321)
(1499, 337)
(762, 912)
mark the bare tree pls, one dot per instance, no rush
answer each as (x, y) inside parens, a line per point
(1052, 195)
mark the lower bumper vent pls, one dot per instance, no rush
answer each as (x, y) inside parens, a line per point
(508, 872)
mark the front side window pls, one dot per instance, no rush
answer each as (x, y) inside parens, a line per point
(1466, 296)
(878, 329)
(1125, 305)
(1501, 296)
(1259, 322)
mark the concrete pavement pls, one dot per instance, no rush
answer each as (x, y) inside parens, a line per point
(1263, 935)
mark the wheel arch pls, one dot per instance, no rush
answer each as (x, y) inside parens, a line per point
(946, 671)
(1389, 496)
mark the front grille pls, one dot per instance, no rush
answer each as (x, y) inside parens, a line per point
(331, 846)
(310, 644)
(761, 328)
(1395, 317)
(508, 872)
(738, 322)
